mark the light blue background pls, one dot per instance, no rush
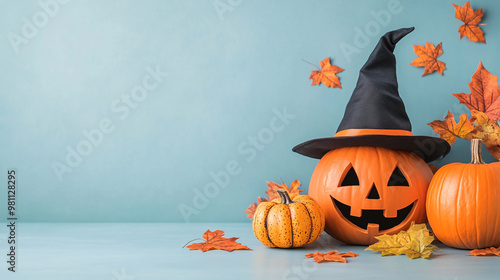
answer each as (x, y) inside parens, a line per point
(229, 73)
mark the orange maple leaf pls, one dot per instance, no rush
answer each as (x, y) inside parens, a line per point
(449, 130)
(331, 256)
(273, 188)
(327, 74)
(471, 19)
(427, 57)
(492, 251)
(485, 93)
(216, 241)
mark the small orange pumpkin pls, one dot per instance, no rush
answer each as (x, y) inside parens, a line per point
(463, 203)
(289, 223)
(368, 191)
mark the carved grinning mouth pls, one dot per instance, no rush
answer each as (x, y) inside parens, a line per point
(373, 216)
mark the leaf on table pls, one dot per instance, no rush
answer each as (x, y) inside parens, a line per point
(327, 74)
(414, 243)
(251, 209)
(471, 19)
(331, 256)
(449, 130)
(492, 251)
(485, 93)
(216, 241)
(273, 188)
(487, 130)
(427, 57)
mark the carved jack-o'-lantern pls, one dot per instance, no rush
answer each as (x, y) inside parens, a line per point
(372, 177)
(368, 191)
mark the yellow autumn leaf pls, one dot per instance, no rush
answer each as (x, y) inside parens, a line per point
(414, 243)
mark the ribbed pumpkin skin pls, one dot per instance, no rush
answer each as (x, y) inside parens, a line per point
(288, 225)
(463, 205)
(374, 166)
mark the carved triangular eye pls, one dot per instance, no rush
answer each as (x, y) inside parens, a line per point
(350, 179)
(397, 179)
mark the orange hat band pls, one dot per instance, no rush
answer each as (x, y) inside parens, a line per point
(359, 132)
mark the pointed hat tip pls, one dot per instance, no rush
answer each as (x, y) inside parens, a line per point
(408, 30)
(396, 35)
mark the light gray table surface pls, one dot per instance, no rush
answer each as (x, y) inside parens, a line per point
(120, 251)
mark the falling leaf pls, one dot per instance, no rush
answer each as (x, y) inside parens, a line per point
(251, 209)
(487, 130)
(216, 241)
(492, 251)
(427, 57)
(485, 93)
(331, 256)
(414, 243)
(327, 74)
(471, 19)
(449, 130)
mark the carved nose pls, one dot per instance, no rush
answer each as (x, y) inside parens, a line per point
(373, 193)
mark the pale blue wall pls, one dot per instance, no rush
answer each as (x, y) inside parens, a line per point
(229, 74)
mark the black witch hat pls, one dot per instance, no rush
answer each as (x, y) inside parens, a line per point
(375, 115)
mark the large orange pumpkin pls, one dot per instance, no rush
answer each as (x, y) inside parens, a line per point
(463, 203)
(368, 191)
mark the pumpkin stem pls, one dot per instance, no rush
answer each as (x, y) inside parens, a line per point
(285, 198)
(476, 152)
